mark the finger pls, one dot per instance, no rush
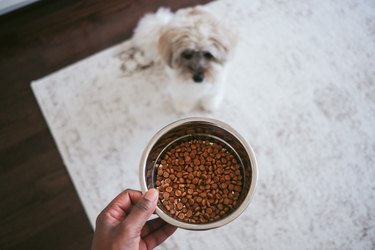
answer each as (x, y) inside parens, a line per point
(156, 238)
(141, 212)
(134, 199)
(152, 226)
(124, 200)
(117, 209)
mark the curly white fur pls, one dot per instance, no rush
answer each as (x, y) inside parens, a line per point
(195, 49)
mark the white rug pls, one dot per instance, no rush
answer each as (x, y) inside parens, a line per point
(303, 95)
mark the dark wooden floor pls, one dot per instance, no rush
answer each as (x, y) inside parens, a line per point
(39, 207)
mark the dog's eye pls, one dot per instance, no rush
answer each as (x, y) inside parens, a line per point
(187, 55)
(208, 55)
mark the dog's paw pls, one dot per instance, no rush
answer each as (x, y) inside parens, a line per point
(133, 60)
(183, 106)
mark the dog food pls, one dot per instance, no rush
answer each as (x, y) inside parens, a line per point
(199, 181)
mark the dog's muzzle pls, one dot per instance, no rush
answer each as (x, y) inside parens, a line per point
(198, 77)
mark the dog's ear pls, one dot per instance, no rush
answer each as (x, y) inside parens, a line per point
(224, 41)
(165, 47)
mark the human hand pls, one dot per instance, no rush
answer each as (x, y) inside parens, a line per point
(123, 223)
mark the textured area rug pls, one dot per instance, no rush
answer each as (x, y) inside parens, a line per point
(302, 93)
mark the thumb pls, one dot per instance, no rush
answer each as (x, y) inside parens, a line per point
(142, 211)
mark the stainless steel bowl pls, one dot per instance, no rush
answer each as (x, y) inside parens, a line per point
(200, 128)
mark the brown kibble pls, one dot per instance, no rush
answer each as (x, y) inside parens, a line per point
(179, 206)
(200, 181)
(166, 195)
(181, 216)
(189, 213)
(203, 195)
(196, 162)
(204, 201)
(226, 201)
(165, 174)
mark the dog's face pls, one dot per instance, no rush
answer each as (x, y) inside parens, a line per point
(196, 64)
(197, 48)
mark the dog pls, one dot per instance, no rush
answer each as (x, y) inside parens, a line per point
(195, 49)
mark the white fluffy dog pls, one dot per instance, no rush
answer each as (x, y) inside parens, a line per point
(195, 49)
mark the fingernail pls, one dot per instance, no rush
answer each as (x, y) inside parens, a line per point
(152, 194)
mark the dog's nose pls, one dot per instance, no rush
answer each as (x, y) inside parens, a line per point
(198, 78)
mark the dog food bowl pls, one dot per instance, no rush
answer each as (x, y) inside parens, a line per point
(208, 130)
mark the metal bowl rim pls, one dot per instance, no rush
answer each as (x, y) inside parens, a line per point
(227, 128)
